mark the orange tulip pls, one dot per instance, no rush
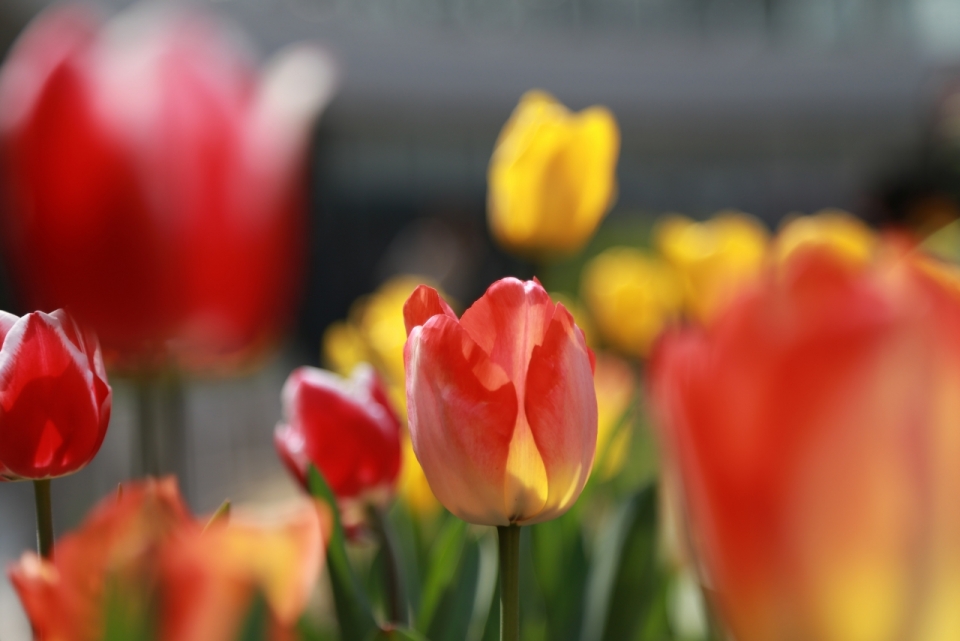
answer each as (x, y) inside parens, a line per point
(502, 409)
(143, 562)
(814, 429)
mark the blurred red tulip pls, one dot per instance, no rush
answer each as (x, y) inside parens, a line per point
(155, 179)
(347, 429)
(502, 408)
(54, 396)
(814, 429)
(144, 566)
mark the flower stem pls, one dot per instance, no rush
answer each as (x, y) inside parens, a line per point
(396, 603)
(41, 491)
(509, 582)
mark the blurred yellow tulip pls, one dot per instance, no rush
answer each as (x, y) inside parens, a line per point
(552, 176)
(375, 333)
(632, 296)
(714, 258)
(615, 384)
(830, 229)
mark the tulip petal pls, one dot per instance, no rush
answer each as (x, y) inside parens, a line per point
(352, 437)
(52, 421)
(7, 321)
(424, 303)
(507, 322)
(561, 408)
(462, 411)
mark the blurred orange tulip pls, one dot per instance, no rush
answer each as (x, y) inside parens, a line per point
(142, 563)
(814, 431)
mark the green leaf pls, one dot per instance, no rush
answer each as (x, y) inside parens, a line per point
(560, 563)
(443, 562)
(626, 590)
(256, 625)
(397, 634)
(351, 603)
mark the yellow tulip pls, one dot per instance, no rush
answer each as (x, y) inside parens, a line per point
(830, 229)
(631, 296)
(552, 177)
(714, 258)
(615, 384)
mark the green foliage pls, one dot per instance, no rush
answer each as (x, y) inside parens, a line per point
(353, 608)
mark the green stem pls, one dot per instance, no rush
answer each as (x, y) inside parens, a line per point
(41, 491)
(391, 563)
(509, 582)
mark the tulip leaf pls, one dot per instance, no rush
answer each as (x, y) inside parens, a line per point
(256, 624)
(626, 589)
(397, 634)
(453, 615)
(443, 562)
(560, 564)
(353, 608)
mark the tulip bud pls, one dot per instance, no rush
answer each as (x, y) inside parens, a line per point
(501, 403)
(812, 430)
(552, 177)
(54, 397)
(347, 429)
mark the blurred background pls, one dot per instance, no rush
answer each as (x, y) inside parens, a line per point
(768, 106)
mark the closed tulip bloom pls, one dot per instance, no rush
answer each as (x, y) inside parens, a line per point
(347, 429)
(502, 409)
(552, 177)
(54, 396)
(632, 296)
(812, 430)
(155, 180)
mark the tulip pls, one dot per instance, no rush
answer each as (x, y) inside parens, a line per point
(54, 396)
(347, 429)
(615, 386)
(502, 410)
(142, 562)
(552, 176)
(831, 230)
(374, 333)
(812, 431)
(714, 258)
(632, 296)
(155, 181)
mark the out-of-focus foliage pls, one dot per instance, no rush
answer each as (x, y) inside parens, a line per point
(552, 176)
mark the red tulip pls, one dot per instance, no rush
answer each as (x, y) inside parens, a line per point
(347, 429)
(501, 402)
(155, 179)
(54, 396)
(814, 428)
(145, 562)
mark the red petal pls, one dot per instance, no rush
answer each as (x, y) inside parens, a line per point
(507, 322)
(462, 414)
(52, 422)
(351, 438)
(561, 407)
(424, 303)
